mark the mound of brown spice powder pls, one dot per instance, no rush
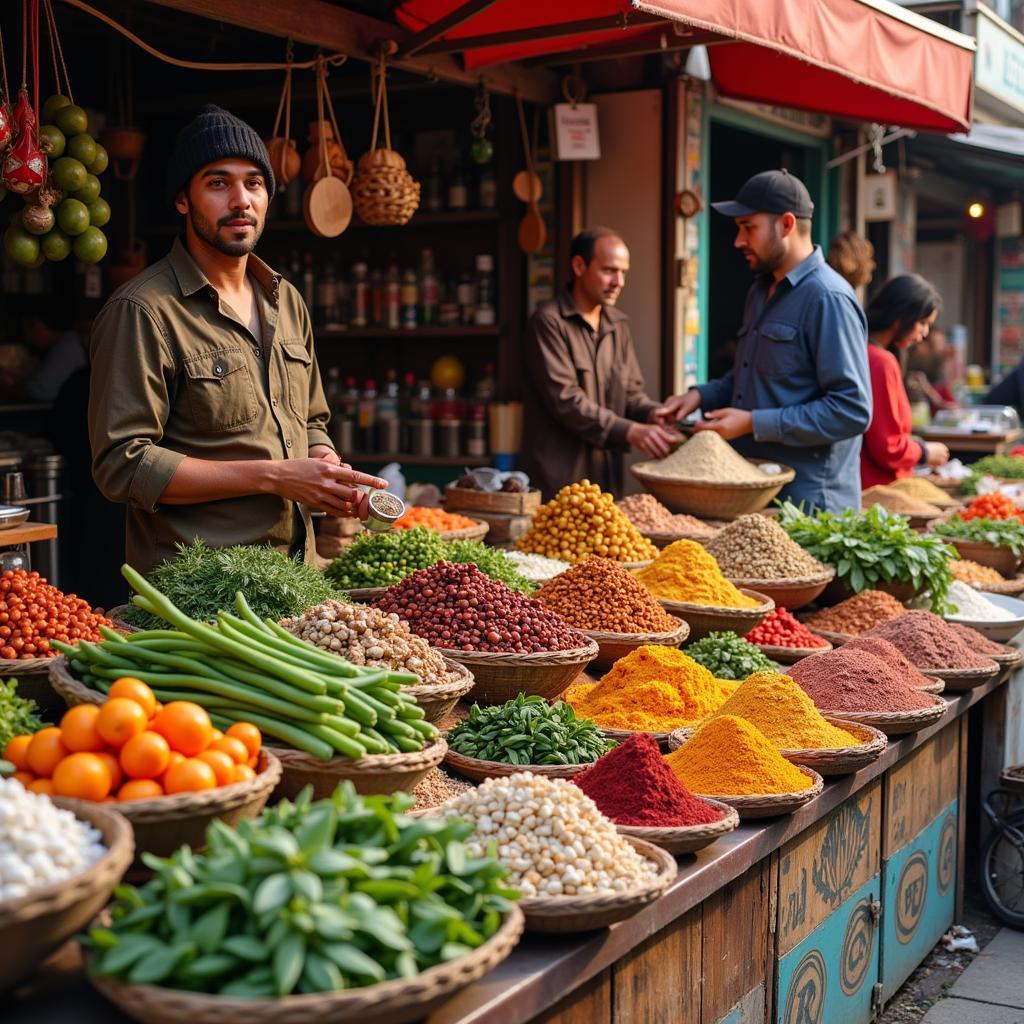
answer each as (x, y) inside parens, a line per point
(928, 642)
(853, 680)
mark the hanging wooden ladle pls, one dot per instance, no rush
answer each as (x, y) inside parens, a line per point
(327, 204)
(526, 185)
(533, 232)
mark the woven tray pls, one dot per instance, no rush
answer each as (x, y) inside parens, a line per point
(116, 616)
(365, 595)
(32, 927)
(438, 699)
(372, 774)
(1008, 588)
(963, 678)
(790, 655)
(67, 687)
(477, 532)
(1012, 778)
(565, 914)
(937, 686)
(663, 539)
(478, 770)
(1010, 658)
(389, 1002)
(164, 823)
(36, 685)
(685, 838)
(894, 723)
(704, 618)
(770, 805)
(612, 646)
(713, 500)
(790, 593)
(501, 677)
(621, 735)
(1003, 560)
(838, 591)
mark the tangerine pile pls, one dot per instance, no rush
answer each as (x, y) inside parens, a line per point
(133, 748)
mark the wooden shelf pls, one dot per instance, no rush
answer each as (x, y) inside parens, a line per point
(449, 333)
(419, 460)
(27, 533)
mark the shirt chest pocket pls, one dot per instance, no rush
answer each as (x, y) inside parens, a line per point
(779, 350)
(220, 391)
(297, 363)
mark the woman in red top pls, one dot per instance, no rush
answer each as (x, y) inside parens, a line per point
(899, 316)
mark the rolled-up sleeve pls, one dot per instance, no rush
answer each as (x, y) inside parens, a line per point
(130, 390)
(550, 366)
(837, 331)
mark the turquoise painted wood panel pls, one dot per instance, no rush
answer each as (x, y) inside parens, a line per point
(918, 898)
(829, 976)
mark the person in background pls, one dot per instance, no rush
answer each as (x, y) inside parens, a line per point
(584, 402)
(852, 257)
(799, 392)
(899, 317)
(926, 371)
(50, 332)
(1009, 391)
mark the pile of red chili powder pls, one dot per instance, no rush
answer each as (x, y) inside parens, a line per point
(884, 650)
(848, 679)
(633, 785)
(928, 642)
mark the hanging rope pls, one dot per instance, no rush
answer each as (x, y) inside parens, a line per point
(35, 56)
(379, 88)
(5, 96)
(57, 51)
(335, 59)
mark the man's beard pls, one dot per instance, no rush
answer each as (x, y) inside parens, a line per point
(772, 260)
(208, 232)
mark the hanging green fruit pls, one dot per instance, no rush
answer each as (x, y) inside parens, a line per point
(90, 246)
(52, 105)
(68, 174)
(90, 191)
(71, 120)
(100, 163)
(22, 246)
(73, 216)
(55, 245)
(82, 147)
(482, 151)
(52, 141)
(99, 212)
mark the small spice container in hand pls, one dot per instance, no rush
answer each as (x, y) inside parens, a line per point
(385, 510)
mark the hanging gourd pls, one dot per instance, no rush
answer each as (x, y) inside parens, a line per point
(285, 161)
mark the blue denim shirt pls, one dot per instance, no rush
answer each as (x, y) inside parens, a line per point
(802, 368)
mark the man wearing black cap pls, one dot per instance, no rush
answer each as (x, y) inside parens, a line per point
(206, 412)
(799, 392)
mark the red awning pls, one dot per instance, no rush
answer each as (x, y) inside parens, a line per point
(868, 60)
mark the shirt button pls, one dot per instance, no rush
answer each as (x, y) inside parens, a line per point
(288, 444)
(273, 402)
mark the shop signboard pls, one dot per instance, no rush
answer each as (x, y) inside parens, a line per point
(1009, 332)
(999, 64)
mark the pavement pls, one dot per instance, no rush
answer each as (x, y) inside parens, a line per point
(991, 990)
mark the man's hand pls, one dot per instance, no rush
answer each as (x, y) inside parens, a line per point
(935, 454)
(325, 452)
(651, 438)
(729, 423)
(676, 408)
(326, 487)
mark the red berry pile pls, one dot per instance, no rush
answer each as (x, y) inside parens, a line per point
(780, 629)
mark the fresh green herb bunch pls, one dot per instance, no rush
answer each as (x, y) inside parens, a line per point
(17, 714)
(380, 559)
(1010, 467)
(309, 897)
(529, 730)
(202, 581)
(872, 547)
(728, 656)
(490, 561)
(1000, 533)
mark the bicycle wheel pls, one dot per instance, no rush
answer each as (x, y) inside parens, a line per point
(1002, 873)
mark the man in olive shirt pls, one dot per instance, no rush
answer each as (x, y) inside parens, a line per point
(206, 412)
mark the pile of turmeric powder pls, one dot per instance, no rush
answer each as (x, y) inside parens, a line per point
(652, 689)
(784, 714)
(684, 571)
(727, 756)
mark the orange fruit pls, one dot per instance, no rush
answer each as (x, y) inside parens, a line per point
(185, 726)
(222, 765)
(41, 786)
(78, 728)
(249, 735)
(16, 752)
(113, 769)
(145, 756)
(136, 690)
(25, 778)
(243, 773)
(46, 751)
(139, 789)
(216, 734)
(174, 759)
(253, 761)
(120, 719)
(82, 775)
(189, 776)
(235, 749)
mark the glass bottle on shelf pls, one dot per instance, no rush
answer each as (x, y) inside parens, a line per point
(342, 304)
(449, 309)
(458, 193)
(487, 188)
(421, 420)
(308, 282)
(366, 425)
(360, 296)
(430, 289)
(484, 314)
(388, 421)
(332, 391)
(376, 298)
(410, 299)
(476, 429)
(344, 420)
(466, 297)
(393, 298)
(325, 313)
(432, 193)
(406, 397)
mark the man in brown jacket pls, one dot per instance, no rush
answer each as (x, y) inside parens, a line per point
(206, 412)
(584, 400)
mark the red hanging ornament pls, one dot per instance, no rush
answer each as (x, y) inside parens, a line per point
(6, 127)
(25, 164)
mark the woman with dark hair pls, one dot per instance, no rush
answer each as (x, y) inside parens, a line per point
(899, 316)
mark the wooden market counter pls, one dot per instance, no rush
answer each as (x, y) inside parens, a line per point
(811, 918)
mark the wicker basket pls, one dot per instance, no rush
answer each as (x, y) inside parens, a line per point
(372, 774)
(502, 503)
(713, 500)
(1009, 658)
(963, 678)
(791, 655)
(477, 532)
(843, 760)
(479, 770)
(116, 616)
(1003, 560)
(1009, 588)
(685, 838)
(562, 915)
(390, 1002)
(367, 595)
(612, 646)
(32, 927)
(706, 618)
(771, 804)
(68, 688)
(501, 677)
(838, 591)
(33, 676)
(384, 193)
(936, 686)
(438, 699)
(790, 593)
(895, 723)
(662, 540)
(621, 735)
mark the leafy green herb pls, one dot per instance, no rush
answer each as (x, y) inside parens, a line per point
(728, 656)
(872, 547)
(1010, 467)
(202, 581)
(1000, 533)
(528, 730)
(17, 714)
